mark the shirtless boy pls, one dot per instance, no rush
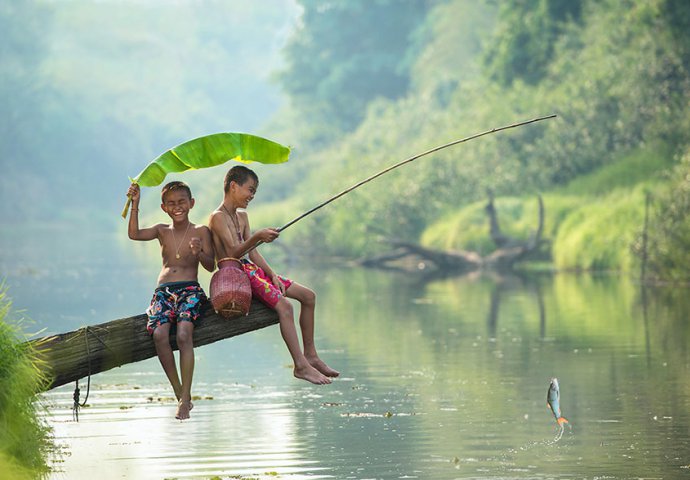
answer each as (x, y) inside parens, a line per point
(233, 238)
(177, 300)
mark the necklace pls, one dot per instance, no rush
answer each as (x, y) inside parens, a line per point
(235, 222)
(177, 246)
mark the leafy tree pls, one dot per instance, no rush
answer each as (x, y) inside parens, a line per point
(523, 45)
(346, 53)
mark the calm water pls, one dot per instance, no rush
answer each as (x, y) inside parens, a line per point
(440, 379)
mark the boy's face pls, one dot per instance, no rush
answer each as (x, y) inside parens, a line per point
(177, 204)
(243, 194)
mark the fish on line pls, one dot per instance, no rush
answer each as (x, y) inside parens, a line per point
(553, 402)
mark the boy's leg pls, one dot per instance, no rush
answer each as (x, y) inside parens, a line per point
(307, 300)
(303, 369)
(185, 335)
(161, 339)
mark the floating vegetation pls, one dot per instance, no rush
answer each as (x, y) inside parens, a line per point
(376, 415)
(161, 399)
(199, 397)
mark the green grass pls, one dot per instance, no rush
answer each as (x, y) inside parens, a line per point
(598, 235)
(642, 165)
(590, 224)
(24, 438)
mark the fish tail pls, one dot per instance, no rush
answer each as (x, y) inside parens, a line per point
(562, 420)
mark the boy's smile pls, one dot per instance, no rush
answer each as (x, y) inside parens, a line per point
(177, 205)
(243, 194)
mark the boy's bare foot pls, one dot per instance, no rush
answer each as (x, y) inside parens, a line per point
(183, 409)
(312, 375)
(319, 364)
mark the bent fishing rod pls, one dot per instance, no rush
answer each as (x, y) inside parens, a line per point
(405, 162)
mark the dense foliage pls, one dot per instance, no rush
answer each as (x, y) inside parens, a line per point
(616, 73)
(668, 244)
(346, 54)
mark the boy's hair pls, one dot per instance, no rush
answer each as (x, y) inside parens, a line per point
(239, 174)
(172, 186)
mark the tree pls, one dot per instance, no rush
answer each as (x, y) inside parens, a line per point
(348, 52)
(524, 44)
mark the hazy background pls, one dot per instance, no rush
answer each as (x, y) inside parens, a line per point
(93, 91)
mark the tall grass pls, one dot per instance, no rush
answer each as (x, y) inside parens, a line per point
(599, 234)
(24, 438)
(590, 224)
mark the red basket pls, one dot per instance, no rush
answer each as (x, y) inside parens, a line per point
(231, 293)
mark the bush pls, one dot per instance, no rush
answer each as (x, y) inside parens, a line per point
(24, 437)
(669, 228)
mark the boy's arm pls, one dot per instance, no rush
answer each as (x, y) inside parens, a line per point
(133, 230)
(202, 247)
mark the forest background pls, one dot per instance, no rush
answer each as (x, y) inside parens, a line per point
(366, 83)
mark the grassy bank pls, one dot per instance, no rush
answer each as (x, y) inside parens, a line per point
(24, 438)
(590, 224)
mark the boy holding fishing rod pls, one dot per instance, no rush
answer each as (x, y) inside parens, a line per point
(232, 237)
(178, 297)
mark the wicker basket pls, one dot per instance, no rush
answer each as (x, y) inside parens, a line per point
(231, 293)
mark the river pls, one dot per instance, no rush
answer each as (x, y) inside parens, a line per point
(441, 378)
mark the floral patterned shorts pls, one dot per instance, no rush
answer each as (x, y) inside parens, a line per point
(262, 287)
(173, 302)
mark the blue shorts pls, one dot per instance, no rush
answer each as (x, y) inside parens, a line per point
(175, 302)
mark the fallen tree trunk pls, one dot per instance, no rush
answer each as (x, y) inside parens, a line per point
(409, 256)
(97, 348)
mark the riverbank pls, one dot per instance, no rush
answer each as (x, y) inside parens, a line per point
(25, 439)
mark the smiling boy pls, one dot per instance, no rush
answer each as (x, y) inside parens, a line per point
(232, 237)
(178, 297)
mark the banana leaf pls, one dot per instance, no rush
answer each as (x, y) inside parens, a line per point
(209, 151)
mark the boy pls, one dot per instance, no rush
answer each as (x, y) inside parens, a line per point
(233, 238)
(178, 298)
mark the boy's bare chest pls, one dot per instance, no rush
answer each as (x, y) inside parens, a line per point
(175, 245)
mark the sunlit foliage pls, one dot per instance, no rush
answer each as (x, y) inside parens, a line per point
(616, 73)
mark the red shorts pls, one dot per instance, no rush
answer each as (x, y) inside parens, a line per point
(262, 287)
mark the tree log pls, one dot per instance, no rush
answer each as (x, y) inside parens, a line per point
(97, 348)
(508, 252)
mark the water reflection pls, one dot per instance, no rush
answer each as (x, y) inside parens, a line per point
(443, 379)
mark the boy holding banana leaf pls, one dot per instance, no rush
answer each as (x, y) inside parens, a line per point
(233, 238)
(177, 300)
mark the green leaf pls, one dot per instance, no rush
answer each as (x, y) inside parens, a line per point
(212, 150)
(209, 151)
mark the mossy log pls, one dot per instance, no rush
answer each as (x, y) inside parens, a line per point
(97, 348)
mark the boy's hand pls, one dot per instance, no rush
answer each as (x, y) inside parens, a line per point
(134, 192)
(195, 246)
(276, 281)
(267, 235)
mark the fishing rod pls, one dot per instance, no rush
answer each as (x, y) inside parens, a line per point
(404, 162)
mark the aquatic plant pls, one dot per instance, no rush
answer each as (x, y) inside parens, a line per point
(25, 438)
